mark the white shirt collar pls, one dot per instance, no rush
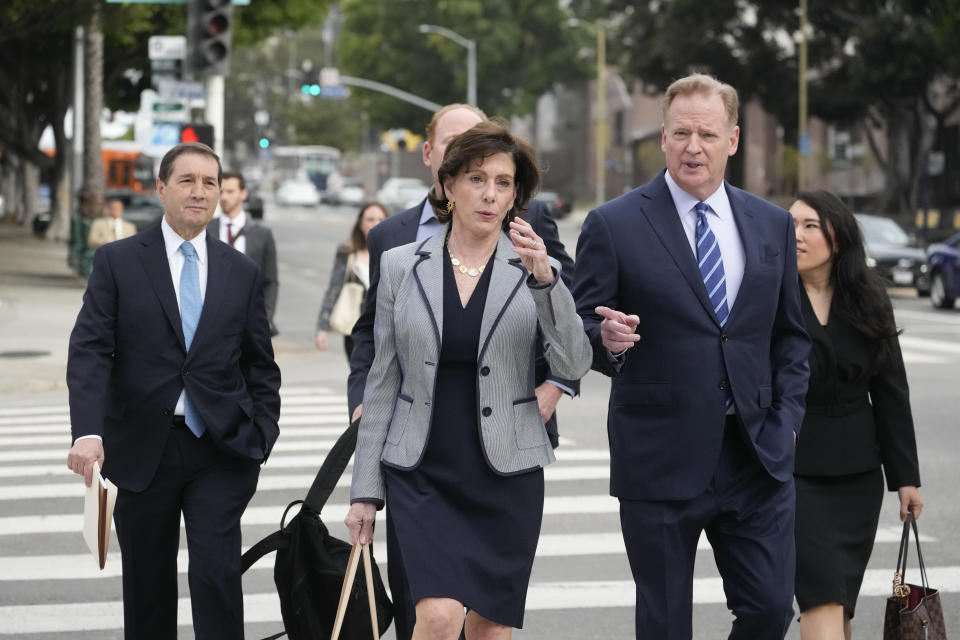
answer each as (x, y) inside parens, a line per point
(172, 241)
(718, 200)
(238, 222)
(427, 214)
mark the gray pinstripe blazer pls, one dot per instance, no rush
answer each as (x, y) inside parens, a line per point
(397, 402)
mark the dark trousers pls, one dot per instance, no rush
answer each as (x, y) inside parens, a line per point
(749, 520)
(211, 490)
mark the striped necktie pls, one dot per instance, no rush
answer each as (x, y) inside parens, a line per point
(711, 264)
(191, 304)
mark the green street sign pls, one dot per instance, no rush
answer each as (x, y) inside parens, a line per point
(168, 106)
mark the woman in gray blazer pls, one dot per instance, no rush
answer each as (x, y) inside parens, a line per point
(451, 434)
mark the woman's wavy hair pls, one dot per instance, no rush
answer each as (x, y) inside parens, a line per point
(357, 242)
(859, 295)
(482, 141)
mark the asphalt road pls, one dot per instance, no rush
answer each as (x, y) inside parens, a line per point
(581, 585)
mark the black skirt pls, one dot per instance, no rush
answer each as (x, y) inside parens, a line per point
(837, 520)
(464, 531)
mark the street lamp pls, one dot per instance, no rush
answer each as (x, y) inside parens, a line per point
(471, 46)
(600, 133)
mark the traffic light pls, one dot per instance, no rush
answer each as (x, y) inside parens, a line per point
(264, 142)
(197, 133)
(210, 32)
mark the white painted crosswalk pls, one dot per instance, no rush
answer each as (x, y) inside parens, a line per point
(40, 499)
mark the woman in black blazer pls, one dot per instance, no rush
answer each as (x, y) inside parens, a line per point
(858, 417)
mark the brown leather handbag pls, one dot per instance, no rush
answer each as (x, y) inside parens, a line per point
(913, 611)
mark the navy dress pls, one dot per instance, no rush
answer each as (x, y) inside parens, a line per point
(464, 531)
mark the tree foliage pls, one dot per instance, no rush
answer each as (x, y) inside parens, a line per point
(524, 47)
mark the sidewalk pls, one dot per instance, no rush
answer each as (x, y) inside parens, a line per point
(39, 300)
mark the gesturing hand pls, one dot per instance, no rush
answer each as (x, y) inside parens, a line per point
(617, 330)
(532, 251)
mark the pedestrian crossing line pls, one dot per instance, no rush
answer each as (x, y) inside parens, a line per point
(339, 425)
(939, 346)
(541, 596)
(277, 482)
(312, 415)
(63, 439)
(302, 390)
(84, 567)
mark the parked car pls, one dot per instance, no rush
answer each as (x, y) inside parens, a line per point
(144, 210)
(891, 256)
(253, 205)
(298, 193)
(557, 205)
(351, 193)
(398, 194)
(943, 265)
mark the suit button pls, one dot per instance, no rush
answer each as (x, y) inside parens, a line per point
(724, 385)
(724, 338)
(485, 371)
(166, 412)
(486, 412)
(185, 372)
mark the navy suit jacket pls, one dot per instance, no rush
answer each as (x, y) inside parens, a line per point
(401, 229)
(666, 414)
(128, 362)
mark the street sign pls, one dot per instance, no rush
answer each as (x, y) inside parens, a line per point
(332, 92)
(172, 90)
(167, 106)
(165, 134)
(329, 77)
(167, 47)
(236, 3)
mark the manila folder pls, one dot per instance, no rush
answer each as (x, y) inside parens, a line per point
(98, 515)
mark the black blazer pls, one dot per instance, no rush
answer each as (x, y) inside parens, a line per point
(262, 249)
(401, 229)
(858, 410)
(128, 363)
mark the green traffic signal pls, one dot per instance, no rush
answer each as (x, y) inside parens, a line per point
(264, 143)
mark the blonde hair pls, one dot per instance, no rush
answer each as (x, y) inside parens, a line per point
(432, 125)
(707, 85)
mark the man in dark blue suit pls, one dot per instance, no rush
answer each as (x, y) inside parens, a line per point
(688, 291)
(175, 392)
(419, 223)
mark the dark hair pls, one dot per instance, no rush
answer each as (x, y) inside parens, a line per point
(234, 174)
(357, 240)
(482, 141)
(859, 296)
(166, 165)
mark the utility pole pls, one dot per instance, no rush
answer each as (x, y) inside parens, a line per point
(601, 123)
(93, 180)
(803, 139)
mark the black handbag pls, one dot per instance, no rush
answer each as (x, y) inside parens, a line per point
(311, 564)
(913, 611)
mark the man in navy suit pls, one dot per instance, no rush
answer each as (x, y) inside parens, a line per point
(419, 223)
(687, 287)
(174, 391)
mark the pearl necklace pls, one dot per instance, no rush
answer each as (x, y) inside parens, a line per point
(473, 272)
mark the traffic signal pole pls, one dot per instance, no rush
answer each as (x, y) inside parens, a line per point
(213, 113)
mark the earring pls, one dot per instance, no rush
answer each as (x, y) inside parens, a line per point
(451, 205)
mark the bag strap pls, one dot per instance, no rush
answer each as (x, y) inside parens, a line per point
(900, 588)
(332, 468)
(355, 554)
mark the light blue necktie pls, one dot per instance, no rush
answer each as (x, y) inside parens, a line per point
(711, 270)
(190, 306)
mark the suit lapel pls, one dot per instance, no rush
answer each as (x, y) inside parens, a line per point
(153, 256)
(507, 276)
(218, 277)
(743, 217)
(662, 214)
(409, 223)
(428, 272)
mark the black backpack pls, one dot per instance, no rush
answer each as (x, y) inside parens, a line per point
(310, 563)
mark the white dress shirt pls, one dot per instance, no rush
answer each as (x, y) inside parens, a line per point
(429, 225)
(172, 242)
(117, 228)
(724, 227)
(237, 223)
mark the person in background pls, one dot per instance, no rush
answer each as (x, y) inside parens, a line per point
(110, 227)
(351, 264)
(451, 435)
(687, 287)
(858, 418)
(248, 236)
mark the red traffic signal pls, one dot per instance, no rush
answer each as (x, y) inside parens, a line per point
(197, 133)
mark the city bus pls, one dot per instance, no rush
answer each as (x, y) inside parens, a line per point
(314, 162)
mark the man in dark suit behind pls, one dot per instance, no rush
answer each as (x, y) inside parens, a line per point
(688, 291)
(419, 223)
(248, 236)
(175, 392)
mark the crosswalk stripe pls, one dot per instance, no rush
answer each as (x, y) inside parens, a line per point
(83, 566)
(542, 596)
(939, 346)
(338, 415)
(63, 439)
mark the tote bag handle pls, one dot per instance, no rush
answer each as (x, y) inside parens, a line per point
(355, 553)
